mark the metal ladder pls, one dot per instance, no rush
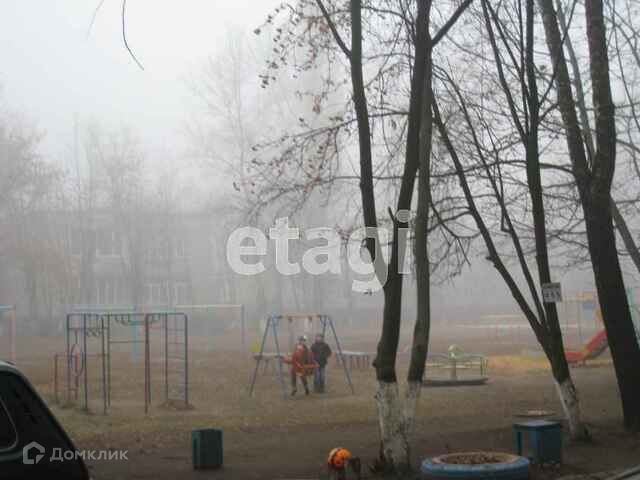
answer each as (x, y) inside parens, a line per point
(176, 359)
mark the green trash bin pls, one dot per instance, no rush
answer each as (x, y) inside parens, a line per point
(207, 448)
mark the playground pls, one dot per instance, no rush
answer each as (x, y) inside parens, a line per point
(142, 380)
(293, 434)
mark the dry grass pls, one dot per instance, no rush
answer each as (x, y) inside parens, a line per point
(219, 393)
(515, 365)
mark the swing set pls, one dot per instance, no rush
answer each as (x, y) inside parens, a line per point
(272, 325)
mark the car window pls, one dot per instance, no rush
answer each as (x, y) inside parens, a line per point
(8, 435)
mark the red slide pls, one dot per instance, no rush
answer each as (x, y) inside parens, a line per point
(591, 350)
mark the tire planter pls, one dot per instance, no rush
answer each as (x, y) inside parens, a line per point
(471, 465)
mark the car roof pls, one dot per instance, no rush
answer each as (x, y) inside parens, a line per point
(9, 367)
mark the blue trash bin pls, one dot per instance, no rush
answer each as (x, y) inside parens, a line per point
(545, 437)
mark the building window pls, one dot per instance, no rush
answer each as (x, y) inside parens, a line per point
(159, 293)
(180, 293)
(157, 251)
(180, 247)
(76, 242)
(156, 293)
(147, 293)
(81, 242)
(108, 291)
(108, 243)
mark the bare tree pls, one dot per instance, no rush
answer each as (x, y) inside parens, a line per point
(594, 177)
(118, 159)
(404, 56)
(493, 116)
(585, 122)
(33, 240)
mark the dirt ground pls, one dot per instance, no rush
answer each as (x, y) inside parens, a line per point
(266, 436)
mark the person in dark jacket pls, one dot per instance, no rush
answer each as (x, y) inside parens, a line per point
(321, 353)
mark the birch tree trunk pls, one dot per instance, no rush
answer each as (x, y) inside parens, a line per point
(397, 414)
(571, 407)
(392, 421)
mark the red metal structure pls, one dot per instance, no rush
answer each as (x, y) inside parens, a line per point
(594, 348)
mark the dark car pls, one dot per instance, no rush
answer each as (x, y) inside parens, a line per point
(33, 444)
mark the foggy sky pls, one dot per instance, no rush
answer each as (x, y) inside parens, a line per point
(51, 70)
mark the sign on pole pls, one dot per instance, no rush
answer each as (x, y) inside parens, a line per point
(551, 292)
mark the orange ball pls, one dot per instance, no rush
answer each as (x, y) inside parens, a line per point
(338, 457)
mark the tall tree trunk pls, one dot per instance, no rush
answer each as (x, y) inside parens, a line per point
(396, 415)
(420, 347)
(602, 240)
(364, 129)
(570, 403)
(625, 234)
(618, 219)
(615, 309)
(390, 414)
(594, 185)
(553, 338)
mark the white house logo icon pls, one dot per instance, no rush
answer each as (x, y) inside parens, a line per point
(26, 453)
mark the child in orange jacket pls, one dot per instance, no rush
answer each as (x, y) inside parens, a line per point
(302, 364)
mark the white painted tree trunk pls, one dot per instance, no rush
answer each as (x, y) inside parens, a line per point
(412, 397)
(571, 407)
(393, 432)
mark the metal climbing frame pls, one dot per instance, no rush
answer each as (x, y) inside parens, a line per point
(80, 326)
(176, 358)
(212, 308)
(272, 325)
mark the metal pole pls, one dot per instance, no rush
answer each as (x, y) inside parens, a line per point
(104, 367)
(109, 361)
(68, 362)
(243, 329)
(279, 358)
(13, 330)
(259, 359)
(148, 340)
(335, 335)
(76, 376)
(186, 360)
(208, 322)
(136, 352)
(84, 362)
(146, 364)
(580, 328)
(166, 359)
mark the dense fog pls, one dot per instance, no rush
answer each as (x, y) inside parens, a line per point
(122, 182)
